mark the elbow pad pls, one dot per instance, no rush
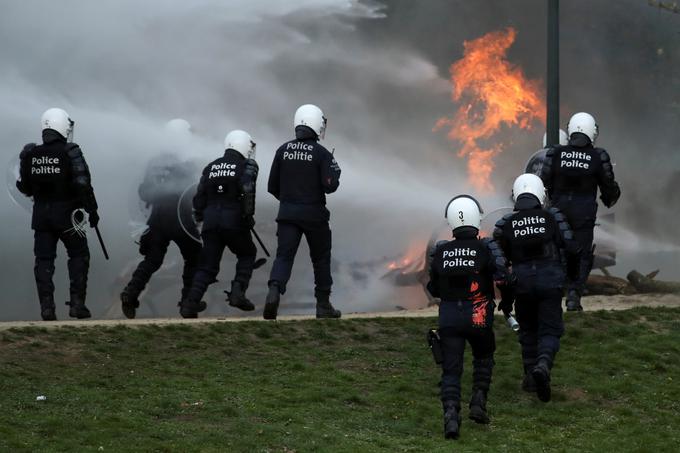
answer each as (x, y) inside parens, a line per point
(609, 188)
(248, 186)
(501, 271)
(566, 234)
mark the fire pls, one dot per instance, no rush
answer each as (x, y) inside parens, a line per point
(493, 92)
(414, 257)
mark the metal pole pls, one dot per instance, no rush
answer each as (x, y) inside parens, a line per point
(553, 98)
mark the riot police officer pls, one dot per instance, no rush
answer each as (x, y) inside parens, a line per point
(537, 242)
(572, 174)
(462, 275)
(225, 203)
(302, 173)
(171, 220)
(535, 163)
(56, 175)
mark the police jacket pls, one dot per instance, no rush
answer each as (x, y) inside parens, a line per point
(462, 275)
(165, 181)
(578, 168)
(538, 242)
(302, 173)
(56, 175)
(225, 197)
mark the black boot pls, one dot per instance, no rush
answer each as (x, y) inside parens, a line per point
(47, 308)
(78, 308)
(528, 383)
(324, 309)
(574, 301)
(237, 297)
(129, 303)
(478, 407)
(541, 375)
(190, 309)
(452, 419)
(271, 306)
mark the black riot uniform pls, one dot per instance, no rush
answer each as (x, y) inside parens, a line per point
(462, 275)
(171, 220)
(302, 173)
(56, 175)
(571, 175)
(225, 203)
(538, 242)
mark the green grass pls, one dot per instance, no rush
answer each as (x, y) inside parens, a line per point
(353, 385)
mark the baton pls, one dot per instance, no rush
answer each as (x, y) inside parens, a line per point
(264, 249)
(101, 242)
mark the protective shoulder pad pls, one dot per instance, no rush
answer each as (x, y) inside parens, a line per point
(73, 150)
(550, 152)
(252, 163)
(320, 148)
(503, 220)
(28, 147)
(495, 250)
(557, 214)
(604, 155)
(432, 248)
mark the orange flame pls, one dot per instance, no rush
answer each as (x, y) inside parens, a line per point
(494, 92)
(414, 257)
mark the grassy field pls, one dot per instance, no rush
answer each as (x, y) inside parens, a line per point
(353, 385)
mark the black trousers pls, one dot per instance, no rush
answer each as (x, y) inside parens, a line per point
(45, 250)
(584, 237)
(239, 242)
(581, 213)
(483, 344)
(153, 246)
(318, 236)
(539, 314)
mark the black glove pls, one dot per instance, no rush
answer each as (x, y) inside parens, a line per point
(505, 306)
(94, 219)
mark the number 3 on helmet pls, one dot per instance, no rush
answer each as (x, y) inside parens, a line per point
(463, 211)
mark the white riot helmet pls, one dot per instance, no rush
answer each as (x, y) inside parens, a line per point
(564, 138)
(178, 128)
(463, 211)
(311, 116)
(242, 142)
(177, 135)
(531, 184)
(57, 120)
(584, 123)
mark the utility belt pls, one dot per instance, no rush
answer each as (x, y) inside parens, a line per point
(230, 203)
(576, 192)
(547, 251)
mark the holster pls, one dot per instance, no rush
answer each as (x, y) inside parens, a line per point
(435, 343)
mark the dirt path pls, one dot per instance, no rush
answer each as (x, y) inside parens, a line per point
(591, 303)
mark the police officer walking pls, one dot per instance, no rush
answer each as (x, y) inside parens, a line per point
(171, 219)
(225, 203)
(56, 175)
(537, 241)
(302, 173)
(571, 175)
(462, 275)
